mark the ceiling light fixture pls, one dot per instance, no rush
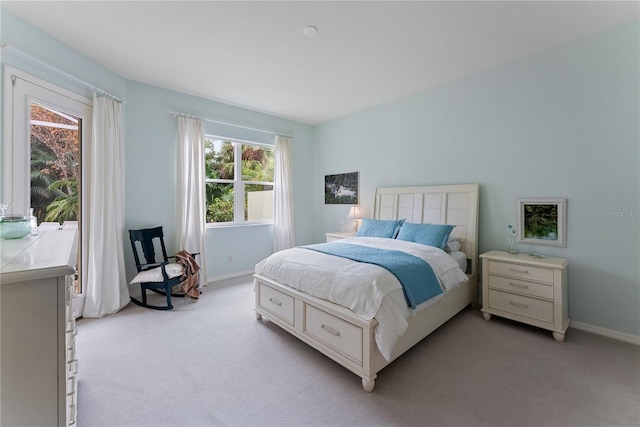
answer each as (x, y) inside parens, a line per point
(310, 30)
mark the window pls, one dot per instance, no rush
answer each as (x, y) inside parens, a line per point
(239, 181)
(55, 168)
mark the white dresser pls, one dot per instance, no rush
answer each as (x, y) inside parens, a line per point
(38, 362)
(527, 289)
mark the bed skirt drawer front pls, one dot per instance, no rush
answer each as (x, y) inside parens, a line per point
(526, 272)
(523, 287)
(277, 303)
(343, 337)
(524, 306)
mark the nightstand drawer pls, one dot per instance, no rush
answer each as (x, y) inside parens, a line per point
(526, 272)
(521, 305)
(521, 286)
(277, 303)
(331, 237)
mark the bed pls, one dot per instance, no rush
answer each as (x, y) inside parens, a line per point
(343, 333)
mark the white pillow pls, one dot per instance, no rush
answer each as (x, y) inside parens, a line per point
(155, 274)
(453, 246)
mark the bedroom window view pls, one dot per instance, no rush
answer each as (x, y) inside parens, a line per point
(239, 181)
(55, 169)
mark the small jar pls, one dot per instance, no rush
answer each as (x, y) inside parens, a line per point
(14, 227)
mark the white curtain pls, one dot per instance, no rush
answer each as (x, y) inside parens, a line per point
(283, 228)
(191, 201)
(106, 289)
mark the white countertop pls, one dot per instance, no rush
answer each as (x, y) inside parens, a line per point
(49, 254)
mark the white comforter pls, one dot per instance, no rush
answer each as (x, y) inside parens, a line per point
(368, 290)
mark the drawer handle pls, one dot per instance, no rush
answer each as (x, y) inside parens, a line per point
(275, 301)
(330, 330)
(517, 270)
(517, 304)
(519, 285)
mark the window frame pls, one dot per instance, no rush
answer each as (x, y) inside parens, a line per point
(238, 183)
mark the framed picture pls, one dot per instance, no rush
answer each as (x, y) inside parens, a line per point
(542, 221)
(341, 189)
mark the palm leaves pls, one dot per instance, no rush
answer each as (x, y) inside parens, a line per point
(53, 199)
(40, 181)
(65, 206)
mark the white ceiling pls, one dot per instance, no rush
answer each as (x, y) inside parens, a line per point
(255, 55)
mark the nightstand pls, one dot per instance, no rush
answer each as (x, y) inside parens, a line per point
(337, 235)
(527, 289)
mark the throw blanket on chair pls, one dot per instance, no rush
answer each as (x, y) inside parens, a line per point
(190, 284)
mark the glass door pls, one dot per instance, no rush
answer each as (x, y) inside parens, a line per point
(56, 196)
(42, 157)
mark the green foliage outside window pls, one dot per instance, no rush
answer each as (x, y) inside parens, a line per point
(257, 164)
(55, 159)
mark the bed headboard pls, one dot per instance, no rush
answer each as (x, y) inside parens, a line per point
(442, 204)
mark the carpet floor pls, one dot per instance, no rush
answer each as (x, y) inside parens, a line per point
(211, 363)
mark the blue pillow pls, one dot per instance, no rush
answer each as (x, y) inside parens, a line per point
(379, 228)
(428, 234)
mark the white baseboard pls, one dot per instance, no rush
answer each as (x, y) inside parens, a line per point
(622, 336)
(228, 276)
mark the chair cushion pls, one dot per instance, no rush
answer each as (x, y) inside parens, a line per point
(155, 274)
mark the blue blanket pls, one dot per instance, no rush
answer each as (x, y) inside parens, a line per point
(414, 274)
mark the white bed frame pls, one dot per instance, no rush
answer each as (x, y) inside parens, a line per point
(346, 338)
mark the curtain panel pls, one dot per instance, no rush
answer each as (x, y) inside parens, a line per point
(106, 289)
(283, 224)
(191, 198)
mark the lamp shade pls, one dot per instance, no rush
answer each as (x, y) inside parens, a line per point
(354, 212)
(351, 223)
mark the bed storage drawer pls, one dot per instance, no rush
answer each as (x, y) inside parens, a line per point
(526, 272)
(343, 337)
(276, 302)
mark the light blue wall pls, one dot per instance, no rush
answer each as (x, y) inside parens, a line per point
(47, 50)
(564, 123)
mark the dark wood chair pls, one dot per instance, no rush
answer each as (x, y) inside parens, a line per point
(163, 282)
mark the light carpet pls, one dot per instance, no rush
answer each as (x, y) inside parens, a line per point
(211, 363)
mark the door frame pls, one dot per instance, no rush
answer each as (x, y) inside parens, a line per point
(16, 144)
